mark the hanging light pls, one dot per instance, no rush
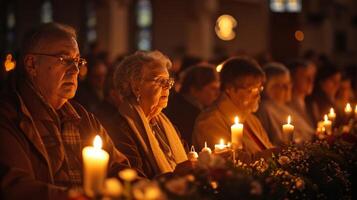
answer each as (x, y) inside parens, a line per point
(225, 25)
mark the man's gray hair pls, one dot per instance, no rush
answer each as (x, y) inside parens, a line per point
(130, 69)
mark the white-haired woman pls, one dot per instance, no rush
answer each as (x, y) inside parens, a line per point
(144, 133)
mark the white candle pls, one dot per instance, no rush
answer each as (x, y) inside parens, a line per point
(356, 111)
(220, 147)
(192, 155)
(95, 163)
(237, 134)
(327, 125)
(288, 128)
(206, 149)
(348, 109)
(332, 114)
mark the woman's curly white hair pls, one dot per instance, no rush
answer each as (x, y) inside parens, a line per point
(129, 71)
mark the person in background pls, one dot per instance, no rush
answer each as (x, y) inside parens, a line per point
(199, 89)
(145, 135)
(42, 132)
(274, 111)
(241, 84)
(302, 75)
(323, 98)
(91, 92)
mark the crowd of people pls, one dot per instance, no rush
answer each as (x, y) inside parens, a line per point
(148, 110)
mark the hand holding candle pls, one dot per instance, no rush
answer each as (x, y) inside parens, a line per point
(237, 134)
(95, 163)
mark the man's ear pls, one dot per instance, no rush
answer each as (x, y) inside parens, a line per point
(29, 65)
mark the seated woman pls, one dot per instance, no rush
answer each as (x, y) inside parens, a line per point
(200, 88)
(273, 110)
(241, 84)
(144, 134)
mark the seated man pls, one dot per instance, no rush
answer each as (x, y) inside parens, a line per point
(42, 134)
(241, 84)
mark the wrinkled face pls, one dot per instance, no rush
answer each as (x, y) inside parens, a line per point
(304, 79)
(279, 88)
(52, 69)
(208, 94)
(246, 93)
(331, 84)
(154, 88)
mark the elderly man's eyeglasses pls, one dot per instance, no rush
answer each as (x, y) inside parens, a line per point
(165, 83)
(66, 61)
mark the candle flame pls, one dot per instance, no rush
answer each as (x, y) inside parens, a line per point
(356, 109)
(332, 111)
(221, 142)
(192, 148)
(97, 143)
(289, 119)
(236, 120)
(348, 107)
(325, 118)
(205, 144)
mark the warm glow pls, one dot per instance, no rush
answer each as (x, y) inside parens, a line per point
(9, 64)
(219, 67)
(225, 25)
(325, 118)
(236, 120)
(348, 108)
(332, 111)
(356, 109)
(97, 143)
(289, 119)
(221, 142)
(299, 35)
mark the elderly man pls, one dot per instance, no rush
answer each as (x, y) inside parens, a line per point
(241, 84)
(42, 133)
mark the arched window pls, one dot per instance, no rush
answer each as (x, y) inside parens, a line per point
(144, 24)
(46, 11)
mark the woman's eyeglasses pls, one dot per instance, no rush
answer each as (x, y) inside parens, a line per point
(66, 61)
(165, 83)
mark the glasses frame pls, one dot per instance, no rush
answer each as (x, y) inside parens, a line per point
(165, 83)
(65, 61)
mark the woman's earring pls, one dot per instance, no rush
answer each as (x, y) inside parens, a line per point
(138, 98)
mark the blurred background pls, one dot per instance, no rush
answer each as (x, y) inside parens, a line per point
(208, 29)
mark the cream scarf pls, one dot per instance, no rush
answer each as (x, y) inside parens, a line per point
(138, 122)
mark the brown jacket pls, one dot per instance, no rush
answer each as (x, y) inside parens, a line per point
(215, 123)
(25, 165)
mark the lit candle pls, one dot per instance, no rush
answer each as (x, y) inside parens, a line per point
(327, 124)
(288, 128)
(320, 130)
(356, 111)
(206, 149)
(95, 163)
(348, 109)
(237, 134)
(220, 147)
(332, 114)
(192, 155)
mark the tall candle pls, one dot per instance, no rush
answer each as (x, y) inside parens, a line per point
(327, 125)
(237, 134)
(332, 114)
(348, 109)
(95, 163)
